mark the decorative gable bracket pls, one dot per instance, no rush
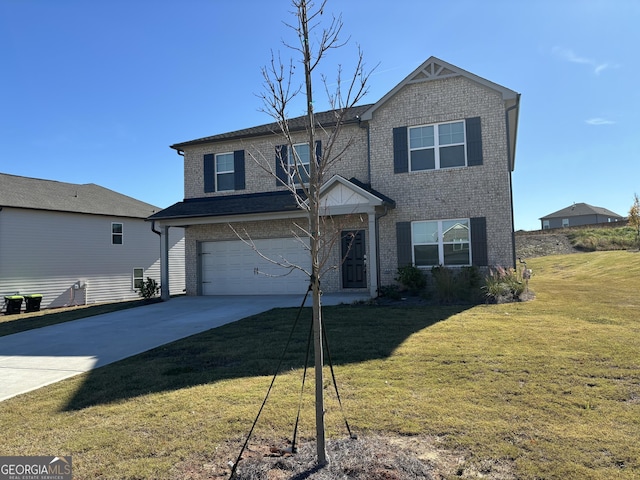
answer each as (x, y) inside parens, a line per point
(431, 71)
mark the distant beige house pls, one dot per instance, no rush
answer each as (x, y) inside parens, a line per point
(79, 244)
(426, 181)
(579, 214)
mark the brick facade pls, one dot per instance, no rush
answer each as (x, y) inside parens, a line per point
(465, 192)
(454, 193)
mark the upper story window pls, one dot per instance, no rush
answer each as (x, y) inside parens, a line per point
(441, 242)
(437, 146)
(224, 171)
(299, 157)
(224, 176)
(116, 234)
(292, 162)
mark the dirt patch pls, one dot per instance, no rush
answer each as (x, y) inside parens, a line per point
(529, 245)
(370, 458)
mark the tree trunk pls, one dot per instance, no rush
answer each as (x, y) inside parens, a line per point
(314, 223)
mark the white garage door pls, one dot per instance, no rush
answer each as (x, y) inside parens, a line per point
(233, 268)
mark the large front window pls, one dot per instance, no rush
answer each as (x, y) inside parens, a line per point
(437, 146)
(299, 159)
(441, 242)
(224, 172)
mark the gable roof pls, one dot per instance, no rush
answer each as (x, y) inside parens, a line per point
(297, 124)
(435, 69)
(432, 69)
(37, 194)
(358, 186)
(580, 209)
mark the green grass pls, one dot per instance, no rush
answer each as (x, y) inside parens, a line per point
(551, 386)
(601, 239)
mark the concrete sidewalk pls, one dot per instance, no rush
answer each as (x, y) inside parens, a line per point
(40, 357)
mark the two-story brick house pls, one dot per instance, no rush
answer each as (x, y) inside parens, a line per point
(426, 181)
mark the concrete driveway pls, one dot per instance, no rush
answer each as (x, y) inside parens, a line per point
(40, 357)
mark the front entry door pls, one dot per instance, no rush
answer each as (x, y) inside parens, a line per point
(354, 268)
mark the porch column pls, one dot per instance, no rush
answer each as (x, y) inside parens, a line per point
(372, 259)
(164, 263)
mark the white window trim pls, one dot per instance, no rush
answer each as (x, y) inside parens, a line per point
(114, 233)
(292, 159)
(565, 222)
(441, 243)
(134, 278)
(437, 146)
(216, 172)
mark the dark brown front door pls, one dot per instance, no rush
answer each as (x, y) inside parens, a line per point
(354, 268)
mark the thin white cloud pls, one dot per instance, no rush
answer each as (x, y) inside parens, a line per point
(570, 56)
(600, 121)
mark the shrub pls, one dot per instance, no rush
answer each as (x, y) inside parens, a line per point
(503, 285)
(412, 278)
(149, 289)
(468, 283)
(444, 282)
(390, 291)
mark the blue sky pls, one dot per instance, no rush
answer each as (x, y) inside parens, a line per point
(95, 92)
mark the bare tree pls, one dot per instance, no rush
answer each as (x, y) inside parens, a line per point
(303, 176)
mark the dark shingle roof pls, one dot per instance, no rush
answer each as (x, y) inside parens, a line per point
(244, 204)
(37, 194)
(267, 202)
(580, 209)
(326, 119)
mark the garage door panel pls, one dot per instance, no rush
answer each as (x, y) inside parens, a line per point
(233, 268)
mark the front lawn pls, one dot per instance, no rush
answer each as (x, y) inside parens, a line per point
(548, 388)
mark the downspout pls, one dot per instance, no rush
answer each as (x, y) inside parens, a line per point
(511, 150)
(153, 228)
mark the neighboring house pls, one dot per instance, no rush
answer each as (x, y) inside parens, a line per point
(579, 214)
(79, 244)
(426, 181)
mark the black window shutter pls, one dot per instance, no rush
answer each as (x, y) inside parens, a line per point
(281, 158)
(479, 241)
(474, 141)
(400, 150)
(238, 170)
(318, 151)
(209, 173)
(403, 239)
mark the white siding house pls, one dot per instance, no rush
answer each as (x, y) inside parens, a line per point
(79, 244)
